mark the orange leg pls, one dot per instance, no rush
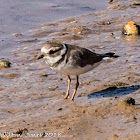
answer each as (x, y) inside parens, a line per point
(76, 86)
(68, 89)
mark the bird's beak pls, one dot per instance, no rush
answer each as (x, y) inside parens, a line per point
(41, 56)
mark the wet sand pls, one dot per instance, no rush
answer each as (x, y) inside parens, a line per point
(32, 102)
(18, 17)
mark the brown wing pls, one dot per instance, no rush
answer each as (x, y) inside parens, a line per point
(82, 56)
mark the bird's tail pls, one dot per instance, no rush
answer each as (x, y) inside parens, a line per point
(109, 55)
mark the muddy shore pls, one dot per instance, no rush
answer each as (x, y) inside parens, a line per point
(31, 94)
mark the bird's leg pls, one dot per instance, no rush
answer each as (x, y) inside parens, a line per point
(68, 89)
(76, 86)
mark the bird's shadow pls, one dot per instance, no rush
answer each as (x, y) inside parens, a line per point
(114, 91)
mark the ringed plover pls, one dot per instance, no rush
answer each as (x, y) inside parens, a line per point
(72, 60)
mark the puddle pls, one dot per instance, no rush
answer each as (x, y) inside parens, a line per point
(114, 91)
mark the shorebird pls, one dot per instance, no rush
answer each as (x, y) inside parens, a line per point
(131, 28)
(72, 60)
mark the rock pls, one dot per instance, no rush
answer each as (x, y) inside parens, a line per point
(60, 109)
(111, 34)
(21, 131)
(59, 79)
(44, 75)
(114, 137)
(104, 23)
(101, 47)
(5, 63)
(131, 28)
(7, 137)
(126, 106)
(52, 88)
(129, 101)
(17, 34)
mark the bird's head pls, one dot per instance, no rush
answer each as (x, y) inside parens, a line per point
(53, 49)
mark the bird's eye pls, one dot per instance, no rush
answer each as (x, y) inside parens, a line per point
(51, 52)
(54, 51)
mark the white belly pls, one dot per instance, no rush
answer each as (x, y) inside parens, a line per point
(74, 70)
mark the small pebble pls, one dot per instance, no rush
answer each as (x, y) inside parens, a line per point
(104, 23)
(114, 137)
(44, 75)
(130, 101)
(52, 88)
(17, 34)
(59, 79)
(21, 131)
(131, 28)
(60, 109)
(5, 63)
(111, 34)
(101, 47)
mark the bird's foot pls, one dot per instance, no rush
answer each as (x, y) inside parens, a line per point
(67, 97)
(72, 99)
